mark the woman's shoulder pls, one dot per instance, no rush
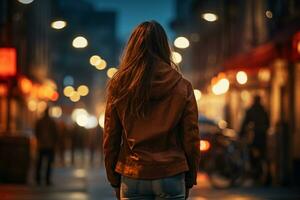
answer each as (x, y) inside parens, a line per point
(185, 84)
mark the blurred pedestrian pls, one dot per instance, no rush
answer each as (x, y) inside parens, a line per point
(151, 136)
(62, 141)
(254, 127)
(94, 144)
(47, 135)
(78, 143)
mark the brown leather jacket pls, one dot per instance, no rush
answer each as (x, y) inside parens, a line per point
(164, 143)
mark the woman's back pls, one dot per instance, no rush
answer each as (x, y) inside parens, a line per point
(151, 129)
(154, 141)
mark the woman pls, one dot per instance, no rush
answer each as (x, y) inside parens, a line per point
(151, 143)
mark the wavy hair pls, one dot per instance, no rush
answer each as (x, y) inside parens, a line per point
(147, 46)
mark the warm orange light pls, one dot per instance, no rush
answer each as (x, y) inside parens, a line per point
(214, 80)
(3, 90)
(41, 93)
(221, 75)
(204, 145)
(34, 92)
(8, 62)
(25, 85)
(48, 91)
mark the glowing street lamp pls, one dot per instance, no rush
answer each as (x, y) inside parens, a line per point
(59, 24)
(241, 77)
(210, 17)
(181, 42)
(80, 42)
(25, 1)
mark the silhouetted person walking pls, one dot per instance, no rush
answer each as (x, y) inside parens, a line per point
(254, 127)
(151, 136)
(257, 120)
(47, 135)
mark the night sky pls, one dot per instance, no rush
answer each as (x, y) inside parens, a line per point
(132, 12)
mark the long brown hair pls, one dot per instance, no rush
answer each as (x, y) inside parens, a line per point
(146, 47)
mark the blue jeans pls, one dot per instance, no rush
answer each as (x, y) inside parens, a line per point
(165, 188)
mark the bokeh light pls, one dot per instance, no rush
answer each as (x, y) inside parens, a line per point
(32, 105)
(197, 94)
(80, 42)
(68, 80)
(241, 77)
(25, 85)
(59, 24)
(68, 91)
(101, 65)
(269, 14)
(181, 42)
(204, 145)
(78, 111)
(176, 57)
(41, 106)
(101, 120)
(83, 90)
(55, 111)
(75, 97)
(111, 72)
(82, 120)
(222, 124)
(210, 17)
(95, 60)
(264, 75)
(221, 87)
(92, 122)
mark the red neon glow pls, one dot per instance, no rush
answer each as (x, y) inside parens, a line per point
(54, 96)
(8, 62)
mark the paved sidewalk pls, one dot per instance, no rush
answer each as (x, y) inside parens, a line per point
(91, 184)
(69, 183)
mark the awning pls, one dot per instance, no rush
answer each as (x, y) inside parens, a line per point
(253, 60)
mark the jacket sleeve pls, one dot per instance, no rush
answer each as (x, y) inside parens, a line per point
(111, 143)
(190, 137)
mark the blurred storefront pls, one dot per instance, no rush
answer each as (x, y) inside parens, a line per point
(270, 71)
(240, 49)
(25, 86)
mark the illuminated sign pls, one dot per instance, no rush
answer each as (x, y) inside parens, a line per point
(8, 61)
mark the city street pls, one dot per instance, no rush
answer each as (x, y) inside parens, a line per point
(81, 184)
(156, 87)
